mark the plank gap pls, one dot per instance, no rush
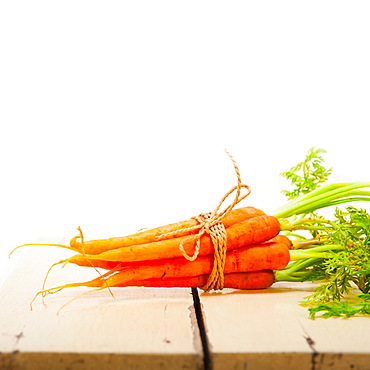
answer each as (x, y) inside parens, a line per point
(207, 358)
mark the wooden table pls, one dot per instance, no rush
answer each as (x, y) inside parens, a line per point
(142, 328)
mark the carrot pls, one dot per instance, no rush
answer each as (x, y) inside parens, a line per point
(283, 239)
(261, 279)
(254, 230)
(81, 260)
(273, 256)
(270, 227)
(250, 280)
(239, 280)
(148, 236)
(152, 235)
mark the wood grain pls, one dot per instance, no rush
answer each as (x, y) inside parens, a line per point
(268, 329)
(145, 328)
(137, 327)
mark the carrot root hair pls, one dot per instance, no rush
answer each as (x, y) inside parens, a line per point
(99, 283)
(49, 270)
(43, 244)
(82, 294)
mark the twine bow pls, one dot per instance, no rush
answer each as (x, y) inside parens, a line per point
(211, 224)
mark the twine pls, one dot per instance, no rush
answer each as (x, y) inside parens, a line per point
(211, 223)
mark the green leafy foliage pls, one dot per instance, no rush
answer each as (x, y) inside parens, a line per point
(306, 176)
(337, 252)
(337, 309)
(339, 259)
(351, 230)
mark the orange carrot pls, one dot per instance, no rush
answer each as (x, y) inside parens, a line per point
(273, 256)
(81, 260)
(254, 230)
(261, 279)
(149, 236)
(283, 239)
(239, 280)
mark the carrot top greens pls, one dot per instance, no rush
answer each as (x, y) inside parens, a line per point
(334, 252)
(307, 175)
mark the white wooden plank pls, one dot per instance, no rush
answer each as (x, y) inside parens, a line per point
(96, 330)
(156, 328)
(268, 329)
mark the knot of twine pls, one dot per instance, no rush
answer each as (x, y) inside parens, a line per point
(211, 224)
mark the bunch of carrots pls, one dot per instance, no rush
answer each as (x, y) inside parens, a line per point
(258, 250)
(254, 251)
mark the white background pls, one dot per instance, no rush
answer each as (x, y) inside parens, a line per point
(115, 115)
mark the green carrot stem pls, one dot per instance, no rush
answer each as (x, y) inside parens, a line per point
(323, 201)
(306, 243)
(304, 224)
(316, 252)
(336, 202)
(335, 188)
(298, 236)
(290, 272)
(301, 274)
(325, 189)
(302, 227)
(324, 197)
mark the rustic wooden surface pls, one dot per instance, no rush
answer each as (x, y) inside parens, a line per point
(270, 330)
(156, 328)
(138, 327)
